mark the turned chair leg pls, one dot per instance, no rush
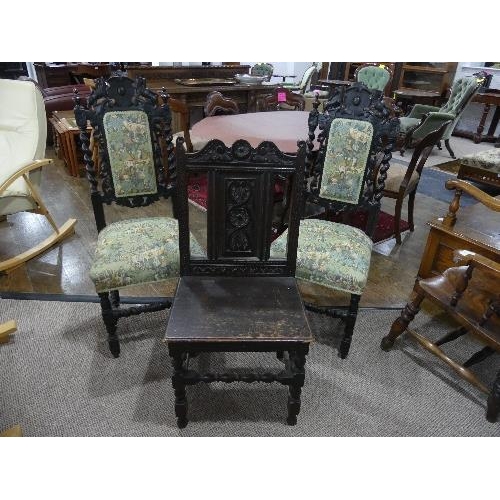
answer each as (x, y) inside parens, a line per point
(411, 206)
(350, 322)
(110, 321)
(297, 362)
(439, 146)
(401, 323)
(179, 387)
(494, 401)
(397, 219)
(448, 147)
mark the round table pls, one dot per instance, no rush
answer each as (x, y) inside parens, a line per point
(284, 128)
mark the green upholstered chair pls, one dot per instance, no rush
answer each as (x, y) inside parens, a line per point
(356, 136)
(23, 133)
(262, 69)
(131, 129)
(422, 119)
(374, 76)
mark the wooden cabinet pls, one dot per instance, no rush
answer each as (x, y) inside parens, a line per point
(427, 76)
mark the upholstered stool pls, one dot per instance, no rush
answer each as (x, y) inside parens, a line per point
(481, 167)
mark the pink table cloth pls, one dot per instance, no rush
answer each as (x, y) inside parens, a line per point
(284, 128)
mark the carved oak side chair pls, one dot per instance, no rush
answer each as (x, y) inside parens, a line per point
(402, 181)
(281, 99)
(238, 298)
(356, 136)
(23, 134)
(217, 104)
(129, 125)
(469, 292)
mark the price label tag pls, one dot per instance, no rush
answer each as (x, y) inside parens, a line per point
(281, 96)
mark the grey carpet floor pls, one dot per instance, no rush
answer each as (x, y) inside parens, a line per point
(57, 378)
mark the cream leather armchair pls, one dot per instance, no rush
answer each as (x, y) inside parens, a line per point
(23, 132)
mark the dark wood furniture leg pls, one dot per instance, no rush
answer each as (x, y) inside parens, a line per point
(493, 408)
(179, 387)
(297, 361)
(411, 206)
(401, 323)
(448, 147)
(350, 321)
(477, 137)
(110, 322)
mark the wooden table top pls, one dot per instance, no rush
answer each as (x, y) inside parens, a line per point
(284, 128)
(173, 87)
(475, 223)
(66, 119)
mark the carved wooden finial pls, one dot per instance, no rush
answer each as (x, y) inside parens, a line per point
(451, 217)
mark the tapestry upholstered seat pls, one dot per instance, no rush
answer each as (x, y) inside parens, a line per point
(483, 167)
(423, 119)
(137, 251)
(330, 254)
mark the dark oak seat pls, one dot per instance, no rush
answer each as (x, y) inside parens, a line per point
(236, 309)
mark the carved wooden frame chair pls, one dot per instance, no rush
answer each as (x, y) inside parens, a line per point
(356, 137)
(470, 294)
(280, 100)
(23, 134)
(238, 297)
(217, 104)
(130, 126)
(402, 181)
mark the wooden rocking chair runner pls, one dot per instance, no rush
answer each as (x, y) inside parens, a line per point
(470, 294)
(23, 133)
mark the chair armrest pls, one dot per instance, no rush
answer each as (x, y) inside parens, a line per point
(432, 121)
(22, 170)
(460, 186)
(421, 109)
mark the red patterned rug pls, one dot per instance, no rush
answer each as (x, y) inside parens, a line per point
(197, 193)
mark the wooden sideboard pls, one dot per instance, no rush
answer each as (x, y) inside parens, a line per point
(182, 72)
(477, 229)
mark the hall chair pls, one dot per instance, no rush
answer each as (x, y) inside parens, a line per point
(23, 134)
(130, 126)
(424, 118)
(281, 99)
(469, 293)
(237, 297)
(402, 181)
(356, 136)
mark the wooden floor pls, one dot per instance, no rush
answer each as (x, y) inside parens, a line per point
(64, 269)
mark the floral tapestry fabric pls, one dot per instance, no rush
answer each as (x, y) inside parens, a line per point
(130, 153)
(488, 159)
(330, 254)
(346, 156)
(137, 251)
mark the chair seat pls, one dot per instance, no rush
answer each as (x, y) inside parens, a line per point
(405, 124)
(235, 309)
(137, 251)
(330, 254)
(395, 176)
(488, 160)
